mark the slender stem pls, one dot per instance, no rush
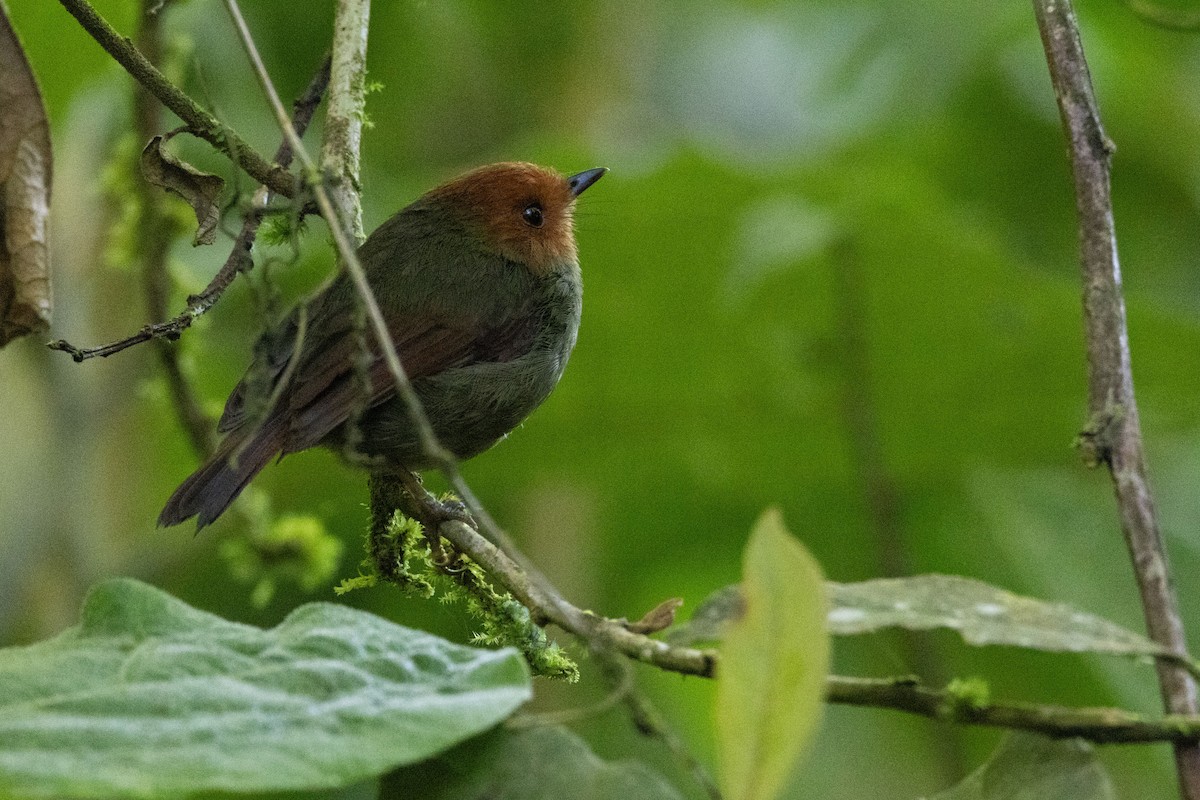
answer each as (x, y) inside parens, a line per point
(346, 111)
(199, 122)
(345, 249)
(649, 721)
(1113, 436)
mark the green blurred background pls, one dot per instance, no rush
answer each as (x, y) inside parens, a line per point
(835, 259)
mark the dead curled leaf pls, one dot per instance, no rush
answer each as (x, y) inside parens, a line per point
(25, 171)
(200, 189)
(659, 618)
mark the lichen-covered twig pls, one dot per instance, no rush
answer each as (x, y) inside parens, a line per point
(346, 111)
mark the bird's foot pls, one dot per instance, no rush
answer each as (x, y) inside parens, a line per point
(454, 509)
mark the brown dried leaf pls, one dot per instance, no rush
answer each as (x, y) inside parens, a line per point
(659, 618)
(25, 166)
(200, 189)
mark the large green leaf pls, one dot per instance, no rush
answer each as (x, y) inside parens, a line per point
(774, 659)
(1030, 767)
(982, 615)
(148, 697)
(546, 763)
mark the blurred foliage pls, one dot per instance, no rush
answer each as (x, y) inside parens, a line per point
(758, 150)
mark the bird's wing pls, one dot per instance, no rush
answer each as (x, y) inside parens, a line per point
(345, 373)
(272, 352)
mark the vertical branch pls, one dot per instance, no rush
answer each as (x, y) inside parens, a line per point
(345, 112)
(155, 233)
(1113, 436)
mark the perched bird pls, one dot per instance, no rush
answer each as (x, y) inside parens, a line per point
(479, 284)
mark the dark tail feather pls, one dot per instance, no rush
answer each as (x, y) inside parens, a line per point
(209, 490)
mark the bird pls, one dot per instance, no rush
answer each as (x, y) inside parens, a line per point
(479, 284)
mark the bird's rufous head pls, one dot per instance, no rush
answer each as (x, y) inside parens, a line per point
(523, 211)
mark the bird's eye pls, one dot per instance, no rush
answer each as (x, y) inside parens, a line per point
(532, 215)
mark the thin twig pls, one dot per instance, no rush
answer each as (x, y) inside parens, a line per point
(346, 111)
(1113, 436)
(341, 240)
(239, 255)
(199, 122)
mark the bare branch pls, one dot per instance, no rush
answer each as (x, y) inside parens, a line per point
(1100, 725)
(1113, 436)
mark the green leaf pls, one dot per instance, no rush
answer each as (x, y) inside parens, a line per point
(148, 697)
(545, 763)
(774, 660)
(1030, 767)
(982, 615)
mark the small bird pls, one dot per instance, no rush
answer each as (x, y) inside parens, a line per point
(478, 281)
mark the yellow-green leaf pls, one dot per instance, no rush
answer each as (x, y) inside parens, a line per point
(774, 659)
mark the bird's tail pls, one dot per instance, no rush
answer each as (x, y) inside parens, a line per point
(209, 490)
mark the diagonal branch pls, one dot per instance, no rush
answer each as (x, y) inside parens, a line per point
(199, 122)
(1100, 725)
(1113, 436)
